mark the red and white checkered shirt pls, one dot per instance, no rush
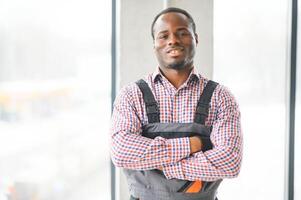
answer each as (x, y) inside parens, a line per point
(132, 151)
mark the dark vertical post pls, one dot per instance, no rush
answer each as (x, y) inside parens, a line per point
(292, 100)
(113, 85)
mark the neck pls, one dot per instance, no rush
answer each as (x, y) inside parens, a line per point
(176, 77)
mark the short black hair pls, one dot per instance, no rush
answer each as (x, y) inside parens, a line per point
(173, 9)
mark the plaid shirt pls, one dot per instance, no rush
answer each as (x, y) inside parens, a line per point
(132, 151)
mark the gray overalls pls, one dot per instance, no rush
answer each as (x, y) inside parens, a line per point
(152, 184)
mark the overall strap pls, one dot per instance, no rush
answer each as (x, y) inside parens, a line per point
(202, 108)
(152, 109)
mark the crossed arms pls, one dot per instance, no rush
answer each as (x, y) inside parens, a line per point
(179, 158)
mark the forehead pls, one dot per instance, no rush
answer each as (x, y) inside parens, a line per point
(171, 20)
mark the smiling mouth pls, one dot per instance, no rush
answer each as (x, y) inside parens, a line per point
(175, 51)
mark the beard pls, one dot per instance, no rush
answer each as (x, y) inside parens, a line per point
(177, 65)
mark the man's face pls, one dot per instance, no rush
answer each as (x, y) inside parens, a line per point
(174, 41)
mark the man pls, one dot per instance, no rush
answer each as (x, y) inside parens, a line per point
(175, 133)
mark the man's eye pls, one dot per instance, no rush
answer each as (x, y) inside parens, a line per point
(163, 36)
(184, 33)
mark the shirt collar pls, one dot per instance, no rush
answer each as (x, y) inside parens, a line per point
(194, 75)
(156, 75)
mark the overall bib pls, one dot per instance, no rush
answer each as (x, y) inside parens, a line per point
(152, 184)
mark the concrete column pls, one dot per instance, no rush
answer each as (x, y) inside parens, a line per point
(136, 56)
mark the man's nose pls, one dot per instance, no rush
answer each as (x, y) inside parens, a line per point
(173, 39)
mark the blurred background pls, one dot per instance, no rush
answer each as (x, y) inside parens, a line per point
(55, 97)
(62, 63)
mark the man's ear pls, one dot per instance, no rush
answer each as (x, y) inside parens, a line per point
(196, 38)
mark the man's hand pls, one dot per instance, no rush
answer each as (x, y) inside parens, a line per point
(196, 144)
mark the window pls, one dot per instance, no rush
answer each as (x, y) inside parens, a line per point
(250, 57)
(55, 80)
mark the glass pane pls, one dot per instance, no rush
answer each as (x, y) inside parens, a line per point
(250, 58)
(54, 99)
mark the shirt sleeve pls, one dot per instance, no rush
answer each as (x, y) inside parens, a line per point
(131, 150)
(224, 160)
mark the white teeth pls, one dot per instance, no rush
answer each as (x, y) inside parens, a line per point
(175, 52)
